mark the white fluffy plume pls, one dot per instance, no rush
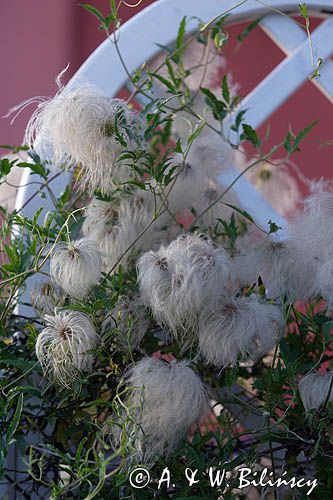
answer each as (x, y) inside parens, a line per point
(46, 296)
(238, 328)
(167, 400)
(315, 389)
(177, 281)
(129, 318)
(81, 123)
(284, 266)
(323, 283)
(313, 227)
(63, 347)
(115, 225)
(76, 266)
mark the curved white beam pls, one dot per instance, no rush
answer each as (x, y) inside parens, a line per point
(158, 23)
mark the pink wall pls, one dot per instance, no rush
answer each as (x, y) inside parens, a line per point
(39, 37)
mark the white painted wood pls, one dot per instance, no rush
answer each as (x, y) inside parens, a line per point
(288, 36)
(159, 23)
(283, 31)
(285, 79)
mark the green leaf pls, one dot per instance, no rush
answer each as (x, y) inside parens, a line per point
(273, 227)
(164, 81)
(327, 330)
(238, 120)
(5, 166)
(180, 41)
(230, 229)
(303, 10)
(94, 11)
(291, 145)
(197, 131)
(217, 107)
(17, 363)
(245, 33)
(304, 133)
(244, 213)
(36, 168)
(16, 420)
(250, 135)
(225, 89)
(178, 148)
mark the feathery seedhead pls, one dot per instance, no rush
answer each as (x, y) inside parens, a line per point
(167, 400)
(64, 347)
(76, 266)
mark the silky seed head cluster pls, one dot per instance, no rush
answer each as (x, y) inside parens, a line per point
(316, 389)
(115, 227)
(76, 266)
(129, 319)
(167, 399)
(234, 328)
(83, 127)
(64, 347)
(177, 281)
(46, 296)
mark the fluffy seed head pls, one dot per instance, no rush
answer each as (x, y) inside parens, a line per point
(284, 266)
(115, 225)
(313, 227)
(177, 281)
(63, 347)
(167, 400)
(234, 328)
(81, 124)
(129, 318)
(189, 182)
(323, 284)
(76, 266)
(46, 296)
(315, 389)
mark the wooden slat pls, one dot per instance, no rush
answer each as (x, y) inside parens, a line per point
(288, 36)
(159, 23)
(285, 79)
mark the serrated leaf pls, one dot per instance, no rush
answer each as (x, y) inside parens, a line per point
(197, 131)
(250, 135)
(238, 120)
(217, 107)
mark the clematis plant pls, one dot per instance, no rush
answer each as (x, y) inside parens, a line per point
(157, 306)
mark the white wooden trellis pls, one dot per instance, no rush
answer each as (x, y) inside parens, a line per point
(159, 23)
